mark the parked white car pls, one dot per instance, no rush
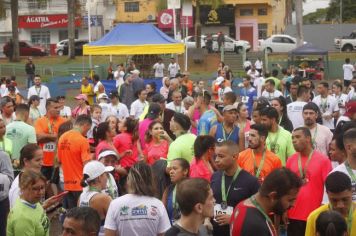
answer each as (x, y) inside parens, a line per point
(60, 46)
(278, 43)
(231, 45)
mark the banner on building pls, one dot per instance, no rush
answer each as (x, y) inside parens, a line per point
(186, 20)
(46, 21)
(224, 15)
(165, 19)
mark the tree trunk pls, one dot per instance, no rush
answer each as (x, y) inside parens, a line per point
(299, 21)
(71, 28)
(289, 10)
(197, 25)
(15, 33)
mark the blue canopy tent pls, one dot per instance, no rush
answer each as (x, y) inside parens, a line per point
(132, 39)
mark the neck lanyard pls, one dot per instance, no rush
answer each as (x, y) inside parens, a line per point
(93, 189)
(350, 171)
(323, 103)
(315, 133)
(229, 134)
(280, 119)
(256, 170)
(38, 91)
(225, 194)
(50, 126)
(273, 144)
(175, 206)
(259, 208)
(302, 171)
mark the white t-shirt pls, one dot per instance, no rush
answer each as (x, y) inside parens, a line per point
(119, 77)
(137, 215)
(96, 87)
(342, 118)
(179, 109)
(258, 84)
(342, 168)
(295, 113)
(66, 112)
(322, 137)
(137, 107)
(173, 69)
(351, 95)
(270, 96)
(120, 110)
(327, 106)
(105, 110)
(348, 69)
(258, 64)
(253, 75)
(158, 69)
(14, 191)
(43, 93)
(222, 91)
(341, 100)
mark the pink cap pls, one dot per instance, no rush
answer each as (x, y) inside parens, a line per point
(82, 96)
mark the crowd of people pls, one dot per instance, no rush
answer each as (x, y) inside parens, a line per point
(276, 158)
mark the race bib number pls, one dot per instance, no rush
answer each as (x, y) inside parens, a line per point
(49, 147)
(219, 211)
(244, 99)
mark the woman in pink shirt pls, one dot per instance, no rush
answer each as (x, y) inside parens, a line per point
(242, 122)
(104, 135)
(204, 149)
(157, 143)
(153, 114)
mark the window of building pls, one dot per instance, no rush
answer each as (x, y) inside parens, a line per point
(246, 12)
(262, 31)
(132, 7)
(262, 11)
(63, 34)
(40, 37)
(35, 4)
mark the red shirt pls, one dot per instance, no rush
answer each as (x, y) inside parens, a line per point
(154, 151)
(198, 169)
(310, 194)
(123, 142)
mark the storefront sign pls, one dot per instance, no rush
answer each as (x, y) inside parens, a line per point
(46, 21)
(165, 19)
(224, 15)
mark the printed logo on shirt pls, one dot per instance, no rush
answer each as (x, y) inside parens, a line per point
(124, 211)
(13, 134)
(139, 211)
(45, 222)
(153, 211)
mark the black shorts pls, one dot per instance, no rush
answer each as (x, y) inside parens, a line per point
(347, 83)
(71, 199)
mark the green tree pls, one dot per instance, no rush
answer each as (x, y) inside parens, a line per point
(348, 11)
(214, 4)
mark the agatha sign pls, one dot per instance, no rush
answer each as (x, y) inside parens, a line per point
(45, 21)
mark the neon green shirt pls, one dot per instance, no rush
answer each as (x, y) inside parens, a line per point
(283, 144)
(25, 220)
(182, 147)
(20, 134)
(6, 145)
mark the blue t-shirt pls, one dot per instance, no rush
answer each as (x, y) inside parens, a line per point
(221, 135)
(206, 121)
(247, 97)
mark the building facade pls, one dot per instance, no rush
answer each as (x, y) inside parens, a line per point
(46, 23)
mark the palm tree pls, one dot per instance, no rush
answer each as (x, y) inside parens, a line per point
(214, 4)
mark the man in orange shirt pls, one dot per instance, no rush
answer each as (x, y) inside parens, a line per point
(46, 132)
(73, 154)
(257, 160)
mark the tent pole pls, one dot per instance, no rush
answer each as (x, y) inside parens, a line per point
(186, 48)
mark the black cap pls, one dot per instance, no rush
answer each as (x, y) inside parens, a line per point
(158, 98)
(114, 94)
(182, 120)
(153, 111)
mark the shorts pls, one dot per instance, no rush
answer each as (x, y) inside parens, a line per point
(47, 171)
(71, 199)
(347, 83)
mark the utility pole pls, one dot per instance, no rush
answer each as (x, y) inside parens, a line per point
(15, 57)
(299, 21)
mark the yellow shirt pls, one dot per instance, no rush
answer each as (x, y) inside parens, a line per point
(311, 222)
(88, 90)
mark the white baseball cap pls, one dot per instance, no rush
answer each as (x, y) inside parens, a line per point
(95, 168)
(106, 153)
(103, 96)
(135, 71)
(219, 80)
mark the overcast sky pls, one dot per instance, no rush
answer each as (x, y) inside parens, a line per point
(312, 5)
